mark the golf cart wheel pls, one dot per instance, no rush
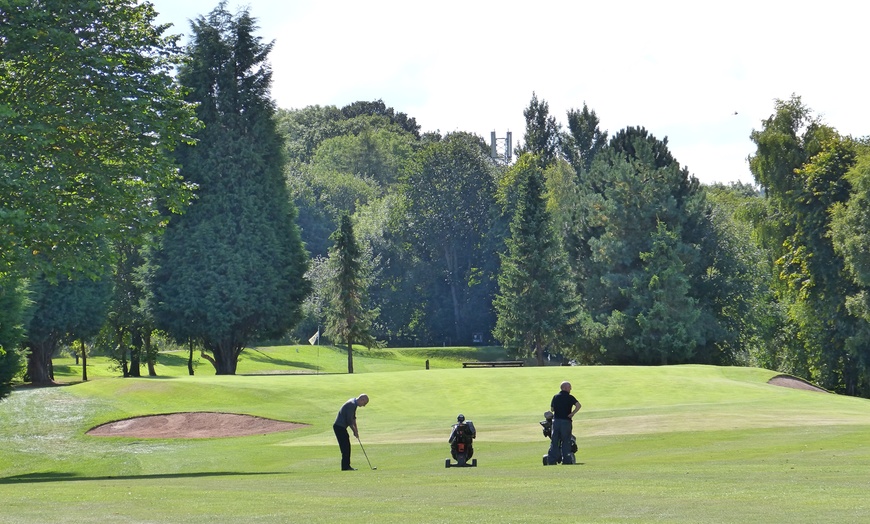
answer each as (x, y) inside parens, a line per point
(447, 463)
(473, 463)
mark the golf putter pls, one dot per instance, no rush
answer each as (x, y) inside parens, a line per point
(366, 454)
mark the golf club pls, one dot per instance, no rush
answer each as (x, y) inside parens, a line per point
(366, 454)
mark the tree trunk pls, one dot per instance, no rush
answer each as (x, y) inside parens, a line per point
(136, 353)
(539, 352)
(190, 358)
(150, 354)
(84, 361)
(349, 356)
(225, 359)
(39, 364)
(450, 257)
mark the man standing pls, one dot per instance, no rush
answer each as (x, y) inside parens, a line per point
(564, 406)
(347, 419)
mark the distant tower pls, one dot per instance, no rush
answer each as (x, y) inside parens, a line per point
(501, 149)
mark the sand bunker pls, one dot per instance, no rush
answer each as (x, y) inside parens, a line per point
(193, 425)
(794, 382)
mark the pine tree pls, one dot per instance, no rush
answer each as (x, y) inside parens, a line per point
(536, 304)
(232, 267)
(347, 318)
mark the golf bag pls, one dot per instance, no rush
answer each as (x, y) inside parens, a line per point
(547, 427)
(461, 443)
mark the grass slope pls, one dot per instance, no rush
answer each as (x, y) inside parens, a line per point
(664, 444)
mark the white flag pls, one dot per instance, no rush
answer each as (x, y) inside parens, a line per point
(314, 338)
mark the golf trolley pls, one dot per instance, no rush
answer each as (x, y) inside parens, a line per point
(547, 427)
(461, 446)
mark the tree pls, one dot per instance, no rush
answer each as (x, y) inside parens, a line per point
(536, 306)
(347, 318)
(584, 140)
(14, 303)
(803, 165)
(231, 268)
(70, 309)
(450, 197)
(89, 115)
(645, 238)
(850, 232)
(130, 324)
(542, 132)
(378, 107)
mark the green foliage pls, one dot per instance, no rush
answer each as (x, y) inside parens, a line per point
(751, 309)
(803, 164)
(347, 318)
(14, 304)
(536, 307)
(649, 261)
(377, 107)
(231, 269)
(451, 208)
(583, 140)
(322, 196)
(305, 129)
(850, 233)
(89, 115)
(70, 309)
(379, 154)
(542, 136)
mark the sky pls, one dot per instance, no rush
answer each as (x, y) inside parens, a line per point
(703, 74)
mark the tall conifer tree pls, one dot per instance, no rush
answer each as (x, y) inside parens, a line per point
(536, 304)
(347, 318)
(232, 268)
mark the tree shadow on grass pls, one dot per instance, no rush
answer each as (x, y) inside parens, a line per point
(35, 478)
(259, 356)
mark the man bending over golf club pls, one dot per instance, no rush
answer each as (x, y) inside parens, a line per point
(347, 419)
(564, 406)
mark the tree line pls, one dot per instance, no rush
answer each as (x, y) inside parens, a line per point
(143, 207)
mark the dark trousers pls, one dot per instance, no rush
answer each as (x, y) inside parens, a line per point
(560, 442)
(344, 445)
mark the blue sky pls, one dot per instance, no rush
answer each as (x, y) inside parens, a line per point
(702, 74)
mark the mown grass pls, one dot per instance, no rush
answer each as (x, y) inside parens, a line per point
(664, 444)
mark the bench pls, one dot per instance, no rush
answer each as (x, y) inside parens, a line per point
(494, 364)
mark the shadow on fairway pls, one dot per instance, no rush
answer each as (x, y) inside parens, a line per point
(259, 356)
(34, 478)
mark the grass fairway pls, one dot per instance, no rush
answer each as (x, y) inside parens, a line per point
(663, 444)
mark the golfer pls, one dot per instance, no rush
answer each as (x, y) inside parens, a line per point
(347, 419)
(564, 406)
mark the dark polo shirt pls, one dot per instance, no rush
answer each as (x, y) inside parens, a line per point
(562, 404)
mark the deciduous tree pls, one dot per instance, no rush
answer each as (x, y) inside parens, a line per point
(89, 115)
(451, 205)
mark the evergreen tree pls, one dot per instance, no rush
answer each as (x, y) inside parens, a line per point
(347, 318)
(536, 307)
(232, 267)
(648, 264)
(584, 140)
(542, 132)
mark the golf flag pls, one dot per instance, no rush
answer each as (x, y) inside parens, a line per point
(314, 338)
